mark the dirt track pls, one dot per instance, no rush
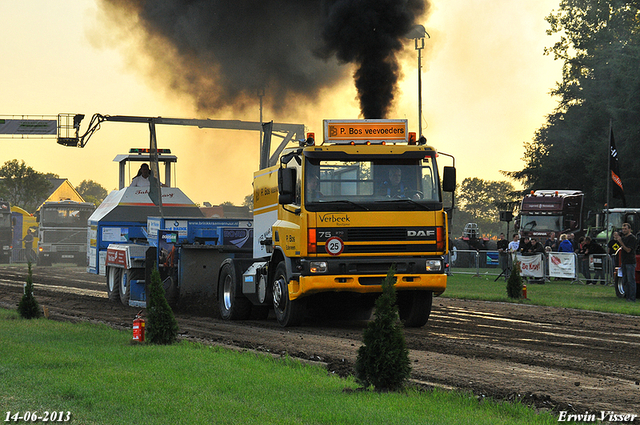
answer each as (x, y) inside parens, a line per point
(558, 359)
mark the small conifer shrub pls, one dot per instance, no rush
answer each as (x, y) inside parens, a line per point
(514, 284)
(383, 360)
(28, 306)
(161, 324)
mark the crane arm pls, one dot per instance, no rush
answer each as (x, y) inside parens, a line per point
(291, 131)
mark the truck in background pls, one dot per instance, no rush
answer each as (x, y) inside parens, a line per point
(543, 212)
(609, 221)
(62, 232)
(6, 232)
(25, 236)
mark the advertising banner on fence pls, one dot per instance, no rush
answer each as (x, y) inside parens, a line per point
(530, 265)
(562, 264)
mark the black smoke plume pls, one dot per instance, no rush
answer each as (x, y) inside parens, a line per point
(223, 52)
(369, 33)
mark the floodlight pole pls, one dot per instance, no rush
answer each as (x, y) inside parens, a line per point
(419, 44)
(418, 34)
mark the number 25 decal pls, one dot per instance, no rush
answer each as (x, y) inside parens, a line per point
(334, 246)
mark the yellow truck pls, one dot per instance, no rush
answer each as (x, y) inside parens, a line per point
(331, 219)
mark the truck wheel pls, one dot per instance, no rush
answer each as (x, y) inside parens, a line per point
(232, 306)
(415, 307)
(114, 275)
(618, 284)
(125, 286)
(288, 312)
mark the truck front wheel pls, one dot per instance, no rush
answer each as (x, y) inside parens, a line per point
(125, 286)
(114, 276)
(621, 291)
(288, 312)
(415, 307)
(232, 305)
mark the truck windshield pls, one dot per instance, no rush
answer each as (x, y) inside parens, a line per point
(543, 223)
(5, 220)
(385, 184)
(64, 217)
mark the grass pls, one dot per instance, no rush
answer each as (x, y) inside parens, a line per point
(96, 374)
(556, 293)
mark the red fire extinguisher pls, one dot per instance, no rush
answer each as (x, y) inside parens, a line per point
(138, 327)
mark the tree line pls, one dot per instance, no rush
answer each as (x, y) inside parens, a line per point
(599, 45)
(27, 188)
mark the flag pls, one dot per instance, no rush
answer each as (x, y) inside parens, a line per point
(618, 191)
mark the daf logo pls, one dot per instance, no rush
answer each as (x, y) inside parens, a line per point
(420, 233)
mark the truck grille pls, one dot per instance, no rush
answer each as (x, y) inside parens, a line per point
(373, 234)
(377, 240)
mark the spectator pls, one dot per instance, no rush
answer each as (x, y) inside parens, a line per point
(565, 244)
(628, 243)
(595, 253)
(551, 240)
(503, 248)
(583, 259)
(524, 245)
(572, 238)
(515, 243)
(535, 247)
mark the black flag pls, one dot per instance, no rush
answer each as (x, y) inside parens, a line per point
(618, 191)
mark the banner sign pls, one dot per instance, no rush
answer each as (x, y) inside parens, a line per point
(340, 130)
(562, 264)
(531, 265)
(29, 127)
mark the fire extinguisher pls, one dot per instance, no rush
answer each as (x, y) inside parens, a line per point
(138, 327)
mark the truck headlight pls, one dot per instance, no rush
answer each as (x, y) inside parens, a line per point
(318, 266)
(434, 265)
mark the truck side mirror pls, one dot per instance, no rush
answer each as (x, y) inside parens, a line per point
(449, 179)
(286, 185)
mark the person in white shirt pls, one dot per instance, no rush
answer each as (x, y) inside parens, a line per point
(514, 244)
(142, 178)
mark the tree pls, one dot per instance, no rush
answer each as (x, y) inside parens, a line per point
(28, 306)
(248, 202)
(383, 359)
(514, 284)
(161, 325)
(92, 191)
(22, 186)
(479, 201)
(599, 44)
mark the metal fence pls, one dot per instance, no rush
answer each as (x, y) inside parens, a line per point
(22, 255)
(582, 269)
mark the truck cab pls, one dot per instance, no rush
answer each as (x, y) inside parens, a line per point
(550, 211)
(333, 218)
(62, 232)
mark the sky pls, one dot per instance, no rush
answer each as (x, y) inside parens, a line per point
(485, 91)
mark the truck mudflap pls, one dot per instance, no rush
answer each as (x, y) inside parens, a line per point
(364, 284)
